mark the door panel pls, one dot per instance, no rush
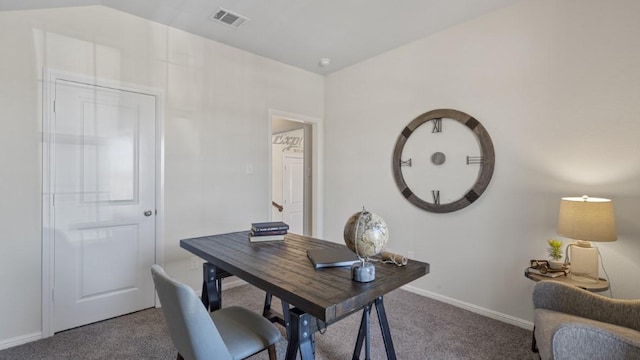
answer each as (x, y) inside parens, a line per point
(104, 161)
(103, 179)
(293, 194)
(112, 248)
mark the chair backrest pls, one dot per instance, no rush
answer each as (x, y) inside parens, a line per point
(192, 331)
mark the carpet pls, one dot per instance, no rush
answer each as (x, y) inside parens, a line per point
(421, 328)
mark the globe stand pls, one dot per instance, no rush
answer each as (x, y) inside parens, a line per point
(363, 271)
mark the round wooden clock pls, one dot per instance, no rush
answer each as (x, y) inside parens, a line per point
(443, 160)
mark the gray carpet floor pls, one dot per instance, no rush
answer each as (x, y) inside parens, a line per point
(421, 328)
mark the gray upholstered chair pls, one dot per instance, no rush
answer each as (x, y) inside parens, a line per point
(226, 334)
(572, 323)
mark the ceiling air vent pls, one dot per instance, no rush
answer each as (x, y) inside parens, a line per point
(228, 18)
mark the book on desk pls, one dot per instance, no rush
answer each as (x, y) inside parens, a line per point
(260, 238)
(268, 231)
(260, 227)
(332, 257)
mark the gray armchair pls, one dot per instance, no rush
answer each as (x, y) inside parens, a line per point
(572, 323)
(230, 333)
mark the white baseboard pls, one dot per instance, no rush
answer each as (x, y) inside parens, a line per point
(473, 308)
(235, 282)
(447, 300)
(19, 340)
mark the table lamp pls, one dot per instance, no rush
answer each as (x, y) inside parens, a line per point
(586, 219)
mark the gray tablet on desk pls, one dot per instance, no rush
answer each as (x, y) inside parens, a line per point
(331, 257)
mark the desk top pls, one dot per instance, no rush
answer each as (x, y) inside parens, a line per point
(282, 269)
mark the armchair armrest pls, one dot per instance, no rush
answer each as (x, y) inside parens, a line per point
(585, 340)
(571, 300)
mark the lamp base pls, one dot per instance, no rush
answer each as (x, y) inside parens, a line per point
(363, 271)
(584, 261)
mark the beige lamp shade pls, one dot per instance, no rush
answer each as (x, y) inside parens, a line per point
(588, 219)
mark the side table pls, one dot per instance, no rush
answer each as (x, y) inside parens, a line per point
(587, 284)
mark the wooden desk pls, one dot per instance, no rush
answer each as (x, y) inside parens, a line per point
(281, 268)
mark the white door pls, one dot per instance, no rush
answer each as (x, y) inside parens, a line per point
(293, 193)
(104, 202)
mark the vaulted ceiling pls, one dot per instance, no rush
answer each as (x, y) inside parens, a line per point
(299, 32)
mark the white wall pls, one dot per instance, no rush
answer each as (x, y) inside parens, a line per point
(217, 102)
(557, 85)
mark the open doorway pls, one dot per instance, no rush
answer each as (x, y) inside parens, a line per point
(291, 189)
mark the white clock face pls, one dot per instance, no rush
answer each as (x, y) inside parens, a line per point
(443, 160)
(442, 153)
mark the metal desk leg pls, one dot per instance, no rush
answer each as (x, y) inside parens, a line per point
(384, 327)
(363, 333)
(266, 309)
(274, 317)
(286, 317)
(211, 288)
(300, 336)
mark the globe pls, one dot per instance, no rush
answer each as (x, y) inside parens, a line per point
(366, 234)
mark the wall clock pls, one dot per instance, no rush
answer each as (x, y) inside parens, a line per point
(443, 160)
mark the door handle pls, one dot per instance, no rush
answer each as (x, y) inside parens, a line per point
(148, 213)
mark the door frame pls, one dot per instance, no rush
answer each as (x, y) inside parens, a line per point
(49, 78)
(317, 164)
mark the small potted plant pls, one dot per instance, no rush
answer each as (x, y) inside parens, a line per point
(555, 253)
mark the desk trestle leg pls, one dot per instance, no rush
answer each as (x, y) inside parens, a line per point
(302, 327)
(363, 333)
(274, 317)
(211, 287)
(384, 326)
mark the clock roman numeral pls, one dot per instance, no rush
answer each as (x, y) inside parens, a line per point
(436, 196)
(475, 160)
(437, 126)
(405, 162)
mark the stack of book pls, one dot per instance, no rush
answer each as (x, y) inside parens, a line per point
(268, 231)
